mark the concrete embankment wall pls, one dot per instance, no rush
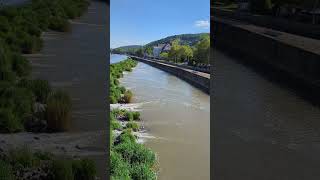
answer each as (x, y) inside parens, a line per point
(263, 50)
(198, 81)
(281, 24)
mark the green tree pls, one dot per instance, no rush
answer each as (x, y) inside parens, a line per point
(139, 52)
(148, 50)
(174, 51)
(164, 55)
(185, 53)
(202, 49)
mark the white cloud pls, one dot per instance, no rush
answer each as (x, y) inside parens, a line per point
(202, 24)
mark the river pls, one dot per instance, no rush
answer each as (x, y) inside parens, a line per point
(176, 116)
(261, 130)
(75, 61)
(114, 58)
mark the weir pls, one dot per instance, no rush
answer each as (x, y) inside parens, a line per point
(198, 79)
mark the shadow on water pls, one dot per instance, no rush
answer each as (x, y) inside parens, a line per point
(301, 88)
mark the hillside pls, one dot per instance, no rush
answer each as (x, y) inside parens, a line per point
(185, 39)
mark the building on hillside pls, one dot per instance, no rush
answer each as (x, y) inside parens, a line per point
(157, 50)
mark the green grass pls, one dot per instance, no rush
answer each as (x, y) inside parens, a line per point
(61, 168)
(116, 91)
(20, 33)
(59, 111)
(133, 125)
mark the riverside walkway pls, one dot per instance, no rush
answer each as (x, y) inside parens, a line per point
(304, 43)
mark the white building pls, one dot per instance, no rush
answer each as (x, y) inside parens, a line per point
(157, 50)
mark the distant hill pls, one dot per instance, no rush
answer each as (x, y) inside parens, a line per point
(185, 39)
(123, 49)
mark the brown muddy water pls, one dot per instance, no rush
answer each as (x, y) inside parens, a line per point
(176, 116)
(76, 62)
(260, 129)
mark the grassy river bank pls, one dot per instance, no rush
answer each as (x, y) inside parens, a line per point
(32, 105)
(129, 159)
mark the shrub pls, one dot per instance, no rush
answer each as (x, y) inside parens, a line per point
(142, 171)
(127, 136)
(58, 111)
(22, 158)
(59, 24)
(6, 172)
(119, 169)
(133, 125)
(20, 100)
(20, 65)
(135, 153)
(127, 96)
(41, 89)
(9, 122)
(136, 115)
(115, 125)
(129, 115)
(62, 170)
(84, 169)
(113, 100)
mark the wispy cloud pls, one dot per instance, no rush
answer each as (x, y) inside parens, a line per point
(205, 24)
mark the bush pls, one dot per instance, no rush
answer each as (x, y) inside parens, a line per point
(119, 169)
(41, 89)
(136, 116)
(59, 24)
(142, 171)
(22, 158)
(58, 111)
(19, 100)
(133, 125)
(135, 153)
(62, 170)
(9, 122)
(129, 116)
(84, 169)
(6, 172)
(127, 136)
(20, 65)
(115, 125)
(127, 96)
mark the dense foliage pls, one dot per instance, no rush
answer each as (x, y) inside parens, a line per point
(119, 94)
(24, 164)
(130, 160)
(20, 33)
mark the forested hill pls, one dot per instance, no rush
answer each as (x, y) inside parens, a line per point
(185, 39)
(131, 48)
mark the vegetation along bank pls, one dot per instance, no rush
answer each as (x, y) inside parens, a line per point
(32, 105)
(129, 159)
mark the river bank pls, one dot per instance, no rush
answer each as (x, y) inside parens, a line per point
(170, 108)
(129, 158)
(80, 71)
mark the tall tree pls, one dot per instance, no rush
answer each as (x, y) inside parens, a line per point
(202, 50)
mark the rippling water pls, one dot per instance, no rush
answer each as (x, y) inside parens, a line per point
(177, 118)
(261, 130)
(114, 58)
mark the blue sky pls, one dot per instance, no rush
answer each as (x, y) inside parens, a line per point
(137, 22)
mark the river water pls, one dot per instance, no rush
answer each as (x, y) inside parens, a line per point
(115, 58)
(176, 116)
(75, 61)
(261, 130)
